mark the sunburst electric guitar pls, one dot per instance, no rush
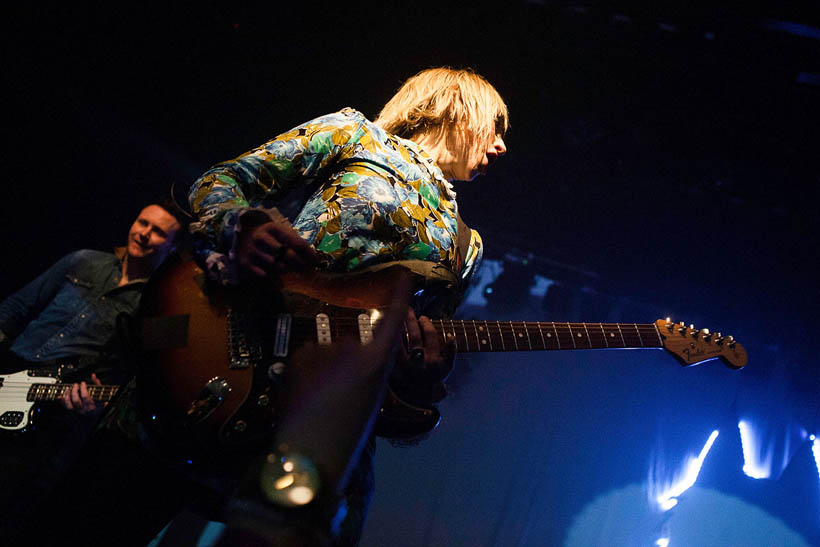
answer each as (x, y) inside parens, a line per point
(214, 355)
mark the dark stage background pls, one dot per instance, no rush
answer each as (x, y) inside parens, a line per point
(661, 162)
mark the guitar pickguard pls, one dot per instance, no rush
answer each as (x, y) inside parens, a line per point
(15, 408)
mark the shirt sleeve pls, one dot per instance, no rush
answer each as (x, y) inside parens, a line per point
(222, 196)
(25, 305)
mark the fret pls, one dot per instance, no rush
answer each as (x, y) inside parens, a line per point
(466, 341)
(557, 338)
(600, 340)
(578, 335)
(572, 336)
(527, 332)
(501, 335)
(489, 338)
(448, 336)
(541, 332)
(608, 332)
(629, 336)
(514, 335)
(620, 332)
(658, 334)
(637, 330)
(477, 339)
(455, 336)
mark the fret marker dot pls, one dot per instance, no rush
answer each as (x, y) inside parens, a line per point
(484, 342)
(579, 335)
(549, 335)
(481, 329)
(612, 335)
(520, 335)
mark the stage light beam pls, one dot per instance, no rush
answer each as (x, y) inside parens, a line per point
(668, 498)
(754, 466)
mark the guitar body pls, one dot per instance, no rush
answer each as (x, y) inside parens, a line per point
(214, 356)
(16, 407)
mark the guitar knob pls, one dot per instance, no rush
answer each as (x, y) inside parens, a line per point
(275, 370)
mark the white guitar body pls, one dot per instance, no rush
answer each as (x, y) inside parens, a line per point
(15, 406)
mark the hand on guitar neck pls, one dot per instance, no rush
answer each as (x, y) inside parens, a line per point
(78, 399)
(423, 364)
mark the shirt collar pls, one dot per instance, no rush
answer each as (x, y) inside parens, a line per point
(434, 170)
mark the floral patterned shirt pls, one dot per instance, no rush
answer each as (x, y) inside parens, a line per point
(367, 197)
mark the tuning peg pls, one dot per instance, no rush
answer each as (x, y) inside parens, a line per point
(705, 333)
(669, 323)
(682, 327)
(695, 331)
(732, 341)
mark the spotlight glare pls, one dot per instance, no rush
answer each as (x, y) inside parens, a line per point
(669, 498)
(753, 465)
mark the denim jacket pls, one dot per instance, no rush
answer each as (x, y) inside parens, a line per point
(70, 310)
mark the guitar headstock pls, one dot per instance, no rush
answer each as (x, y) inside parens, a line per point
(693, 346)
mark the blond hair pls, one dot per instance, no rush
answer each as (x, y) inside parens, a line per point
(436, 100)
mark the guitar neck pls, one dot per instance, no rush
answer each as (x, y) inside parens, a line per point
(53, 392)
(472, 336)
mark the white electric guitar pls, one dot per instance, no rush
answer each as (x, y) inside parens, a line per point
(20, 391)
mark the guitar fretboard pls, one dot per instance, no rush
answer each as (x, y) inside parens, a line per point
(54, 392)
(540, 335)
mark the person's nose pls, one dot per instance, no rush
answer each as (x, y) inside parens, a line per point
(143, 232)
(499, 146)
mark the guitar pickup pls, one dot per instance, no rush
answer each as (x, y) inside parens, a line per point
(365, 328)
(323, 329)
(280, 346)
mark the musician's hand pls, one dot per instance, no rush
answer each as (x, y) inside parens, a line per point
(78, 399)
(273, 247)
(424, 364)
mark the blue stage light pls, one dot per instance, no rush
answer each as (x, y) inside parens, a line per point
(754, 465)
(668, 498)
